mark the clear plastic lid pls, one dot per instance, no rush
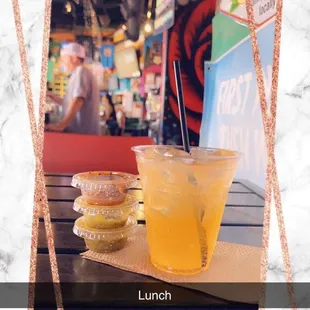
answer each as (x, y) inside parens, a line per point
(130, 205)
(97, 180)
(81, 230)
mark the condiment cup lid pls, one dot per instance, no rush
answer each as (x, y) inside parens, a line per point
(96, 180)
(81, 230)
(130, 205)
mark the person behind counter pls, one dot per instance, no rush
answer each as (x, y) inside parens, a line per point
(110, 115)
(81, 102)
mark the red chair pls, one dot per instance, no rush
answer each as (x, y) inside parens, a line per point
(72, 153)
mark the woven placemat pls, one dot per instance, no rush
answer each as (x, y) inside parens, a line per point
(231, 263)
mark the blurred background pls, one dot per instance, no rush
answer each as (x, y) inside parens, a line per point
(130, 46)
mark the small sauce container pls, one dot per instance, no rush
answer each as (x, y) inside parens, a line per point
(106, 217)
(104, 187)
(105, 241)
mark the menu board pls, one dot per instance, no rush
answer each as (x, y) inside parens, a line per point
(126, 63)
(164, 15)
(152, 51)
(107, 55)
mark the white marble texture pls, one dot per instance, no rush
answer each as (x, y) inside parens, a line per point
(293, 141)
(16, 152)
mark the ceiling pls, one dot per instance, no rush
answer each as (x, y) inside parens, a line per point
(61, 20)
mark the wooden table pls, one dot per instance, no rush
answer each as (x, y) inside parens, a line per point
(242, 223)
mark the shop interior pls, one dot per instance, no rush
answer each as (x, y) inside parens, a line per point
(125, 55)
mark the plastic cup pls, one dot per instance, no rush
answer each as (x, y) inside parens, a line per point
(105, 241)
(104, 187)
(106, 217)
(184, 201)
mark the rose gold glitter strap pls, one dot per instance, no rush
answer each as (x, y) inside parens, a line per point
(40, 197)
(272, 185)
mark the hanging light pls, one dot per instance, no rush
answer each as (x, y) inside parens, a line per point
(68, 7)
(148, 27)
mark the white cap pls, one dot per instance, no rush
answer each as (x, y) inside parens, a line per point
(73, 49)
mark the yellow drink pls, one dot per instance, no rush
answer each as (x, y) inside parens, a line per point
(184, 201)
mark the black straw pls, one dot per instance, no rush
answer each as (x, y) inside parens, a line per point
(178, 81)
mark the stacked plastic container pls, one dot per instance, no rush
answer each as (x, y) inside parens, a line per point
(107, 210)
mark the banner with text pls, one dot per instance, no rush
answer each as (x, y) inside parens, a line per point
(263, 10)
(232, 115)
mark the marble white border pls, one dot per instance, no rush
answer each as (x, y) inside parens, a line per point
(16, 154)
